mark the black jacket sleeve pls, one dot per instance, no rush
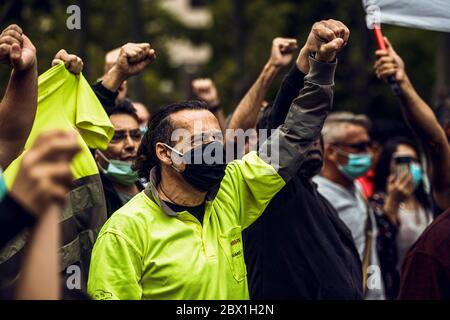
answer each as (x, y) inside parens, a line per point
(276, 113)
(13, 219)
(106, 97)
(287, 146)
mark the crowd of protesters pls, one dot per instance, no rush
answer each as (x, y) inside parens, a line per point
(99, 199)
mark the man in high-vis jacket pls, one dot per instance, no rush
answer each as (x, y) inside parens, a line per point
(181, 238)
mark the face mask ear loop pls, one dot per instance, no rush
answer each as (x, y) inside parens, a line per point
(104, 158)
(177, 152)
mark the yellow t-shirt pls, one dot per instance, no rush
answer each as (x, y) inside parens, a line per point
(66, 101)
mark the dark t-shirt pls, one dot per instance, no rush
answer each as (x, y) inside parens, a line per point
(300, 249)
(197, 211)
(425, 273)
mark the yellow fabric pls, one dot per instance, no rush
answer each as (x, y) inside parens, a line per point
(143, 253)
(66, 101)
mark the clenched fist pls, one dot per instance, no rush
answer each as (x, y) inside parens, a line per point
(16, 50)
(133, 58)
(282, 51)
(326, 38)
(205, 90)
(44, 177)
(72, 62)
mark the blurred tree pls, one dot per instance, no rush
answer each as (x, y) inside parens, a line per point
(240, 37)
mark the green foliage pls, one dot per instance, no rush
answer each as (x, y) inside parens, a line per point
(240, 37)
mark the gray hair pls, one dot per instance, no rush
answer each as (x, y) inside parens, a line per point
(334, 128)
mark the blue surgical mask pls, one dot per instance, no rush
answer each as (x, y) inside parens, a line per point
(143, 130)
(417, 173)
(358, 164)
(119, 171)
(3, 190)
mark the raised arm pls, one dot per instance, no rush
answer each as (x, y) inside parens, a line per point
(133, 58)
(263, 174)
(246, 113)
(422, 121)
(18, 107)
(293, 81)
(286, 147)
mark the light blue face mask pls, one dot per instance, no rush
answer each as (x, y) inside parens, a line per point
(3, 190)
(143, 130)
(119, 171)
(417, 174)
(357, 165)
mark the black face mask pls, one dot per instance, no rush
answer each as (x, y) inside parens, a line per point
(204, 175)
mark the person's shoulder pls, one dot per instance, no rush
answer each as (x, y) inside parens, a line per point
(435, 240)
(135, 216)
(323, 183)
(333, 192)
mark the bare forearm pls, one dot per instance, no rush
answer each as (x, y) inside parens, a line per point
(17, 112)
(246, 113)
(113, 80)
(40, 272)
(420, 115)
(433, 138)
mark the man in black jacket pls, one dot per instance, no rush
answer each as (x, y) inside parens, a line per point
(299, 248)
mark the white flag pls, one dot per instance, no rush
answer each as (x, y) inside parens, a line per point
(423, 14)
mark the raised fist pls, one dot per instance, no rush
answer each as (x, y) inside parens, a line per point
(133, 58)
(205, 90)
(282, 51)
(326, 38)
(16, 50)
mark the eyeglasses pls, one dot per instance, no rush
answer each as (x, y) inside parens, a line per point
(121, 135)
(361, 146)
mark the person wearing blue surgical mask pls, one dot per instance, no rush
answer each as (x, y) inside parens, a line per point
(143, 115)
(347, 157)
(120, 181)
(402, 207)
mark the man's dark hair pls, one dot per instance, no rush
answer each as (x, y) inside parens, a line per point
(124, 107)
(442, 112)
(160, 128)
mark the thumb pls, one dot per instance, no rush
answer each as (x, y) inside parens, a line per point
(15, 55)
(388, 44)
(56, 61)
(332, 46)
(61, 56)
